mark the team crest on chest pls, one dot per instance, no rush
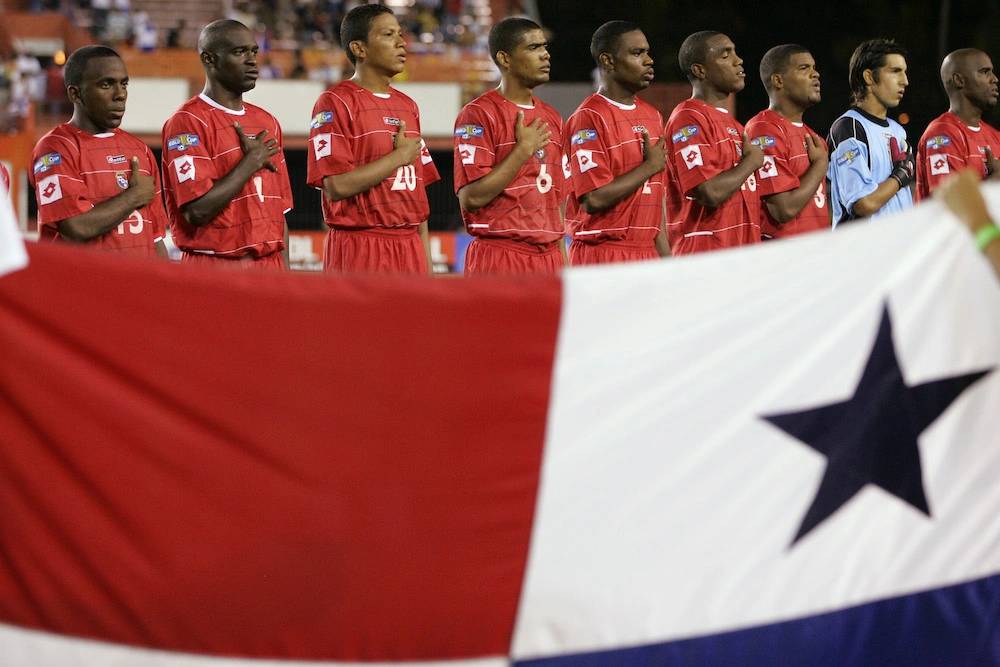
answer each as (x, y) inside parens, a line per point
(122, 179)
(540, 154)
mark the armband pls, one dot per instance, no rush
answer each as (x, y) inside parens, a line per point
(986, 235)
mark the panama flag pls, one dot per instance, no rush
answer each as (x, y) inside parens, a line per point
(780, 455)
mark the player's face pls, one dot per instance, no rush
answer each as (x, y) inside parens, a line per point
(723, 68)
(385, 49)
(235, 66)
(981, 82)
(802, 80)
(99, 100)
(892, 82)
(633, 64)
(530, 61)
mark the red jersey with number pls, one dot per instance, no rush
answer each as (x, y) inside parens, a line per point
(73, 171)
(352, 126)
(947, 146)
(200, 146)
(528, 208)
(786, 158)
(704, 141)
(603, 140)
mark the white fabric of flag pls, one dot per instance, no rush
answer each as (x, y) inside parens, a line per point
(12, 253)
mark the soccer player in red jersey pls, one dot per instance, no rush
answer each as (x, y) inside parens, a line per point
(96, 184)
(616, 211)
(711, 200)
(224, 173)
(959, 139)
(508, 161)
(367, 157)
(791, 181)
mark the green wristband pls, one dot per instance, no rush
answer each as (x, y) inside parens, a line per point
(987, 235)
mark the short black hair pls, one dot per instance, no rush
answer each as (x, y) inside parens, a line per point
(869, 55)
(777, 60)
(215, 36)
(357, 24)
(507, 34)
(77, 61)
(694, 50)
(608, 37)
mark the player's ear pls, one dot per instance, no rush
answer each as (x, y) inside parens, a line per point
(207, 58)
(503, 59)
(777, 81)
(869, 77)
(73, 93)
(357, 47)
(698, 70)
(607, 61)
(958, 80)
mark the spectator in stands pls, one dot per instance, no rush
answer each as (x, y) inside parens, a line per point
(175, 36)
(97, 184)
(367, 157)
(225, 179)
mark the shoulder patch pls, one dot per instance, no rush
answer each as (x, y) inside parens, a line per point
(47, 161)
(938, 141)
(320, 119)
(583, 136)
(848, 157)
(684, 133)
(182, 142)
(763, 142)
(468, 131)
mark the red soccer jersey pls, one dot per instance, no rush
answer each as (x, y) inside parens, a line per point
(352, 126)
(200, 146)
(702, 142)
(603, 140)
(528, 208)
(949, 145)
(73, 171)
(785, 160)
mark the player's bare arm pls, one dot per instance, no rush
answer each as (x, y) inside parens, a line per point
(257, 154)
(107, 215)
(406, 150)
(718, 189)
(783, 206)
(606, 196)
(529, 139)
(992, 165)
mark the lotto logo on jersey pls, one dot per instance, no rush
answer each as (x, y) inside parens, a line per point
(321, 145)
(121, 179)
(388, 120)
(182, 142)
(732, 131)
(638, 129)
(47, 161)
(585, 160)
(49, 189)
(184, 168)
(468, 131)
(321, 119)
(848, 157)
(425, 155)
(937, 142)
(117, 159)
(567, 172)
(692, 156)
(684, 133)
(583, 136)
(763, 142)
(467, 153)
(769, 169)
(938, 164)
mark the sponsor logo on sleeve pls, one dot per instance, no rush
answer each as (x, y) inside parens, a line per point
(468, 131)
(684, 133)
(938, 164)
(425, 155)
(763, 142)
(467, 153)
(768, 169)
(848, 157)
(321, 145)
(940, 141)
(182, 142)
(321, 119)
(49, 189)
(583, 136)
(585, 160)
(692, 156)
(47, 161)
(567, 172)
(184, 168)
